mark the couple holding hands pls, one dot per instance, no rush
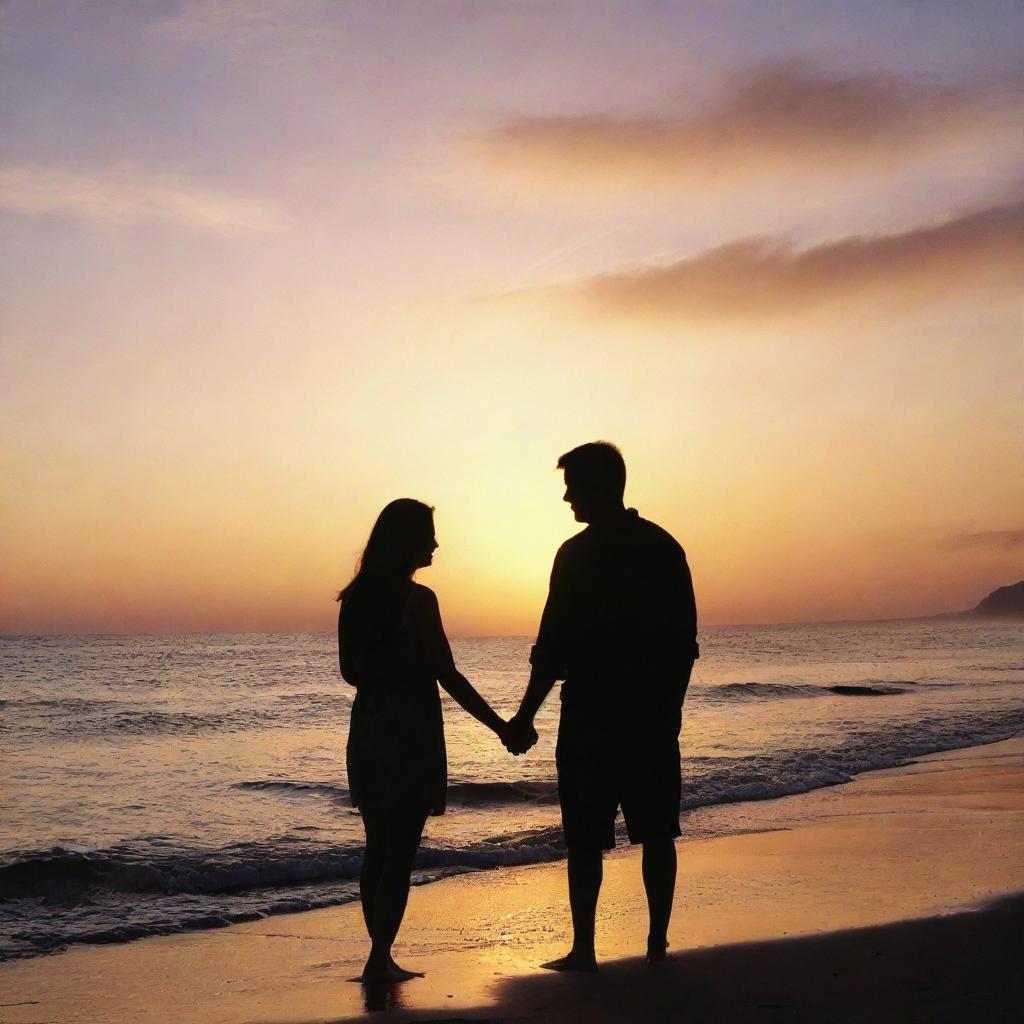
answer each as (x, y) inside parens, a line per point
(619, 628)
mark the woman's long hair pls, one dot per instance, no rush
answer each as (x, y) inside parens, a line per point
(373, 601)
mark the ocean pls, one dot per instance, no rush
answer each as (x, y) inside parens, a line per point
(156, 784)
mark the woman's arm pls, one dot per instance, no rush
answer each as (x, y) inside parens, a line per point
(451, 679)
(462, 691)
(345, 661)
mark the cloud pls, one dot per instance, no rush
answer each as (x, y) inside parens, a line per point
(271, 31)
(1005, 539)
(203, 19)
(119, 197)
(782, 117)
(759, 277)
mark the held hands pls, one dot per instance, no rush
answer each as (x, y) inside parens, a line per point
(518, 735)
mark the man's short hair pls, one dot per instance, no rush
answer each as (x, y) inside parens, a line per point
(597, 466)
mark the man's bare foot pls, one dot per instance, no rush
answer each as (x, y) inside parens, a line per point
(656, 950)
(573, 961)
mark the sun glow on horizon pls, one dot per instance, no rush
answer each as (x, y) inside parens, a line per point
(364, 256)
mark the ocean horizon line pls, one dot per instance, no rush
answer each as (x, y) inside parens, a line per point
(965, 616)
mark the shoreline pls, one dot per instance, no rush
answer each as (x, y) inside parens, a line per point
(942, 833)
(755, 813)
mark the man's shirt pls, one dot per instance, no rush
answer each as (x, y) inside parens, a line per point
(620, 617)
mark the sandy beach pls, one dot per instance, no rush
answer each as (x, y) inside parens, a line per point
(895, 898)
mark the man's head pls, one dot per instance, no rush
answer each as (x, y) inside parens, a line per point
(595, 479)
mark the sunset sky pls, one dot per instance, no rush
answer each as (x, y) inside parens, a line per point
(268, 265)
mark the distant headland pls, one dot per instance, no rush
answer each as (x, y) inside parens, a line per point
(1004, 603)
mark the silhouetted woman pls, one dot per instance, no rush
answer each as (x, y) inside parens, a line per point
(394, 651)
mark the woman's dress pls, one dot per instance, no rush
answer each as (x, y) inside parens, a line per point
(396, 753)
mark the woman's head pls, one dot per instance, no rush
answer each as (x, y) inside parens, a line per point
(401, 541)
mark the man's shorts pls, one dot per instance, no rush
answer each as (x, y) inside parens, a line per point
(604, 763)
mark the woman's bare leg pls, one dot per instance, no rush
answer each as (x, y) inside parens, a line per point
(387, 902)
(373, 863)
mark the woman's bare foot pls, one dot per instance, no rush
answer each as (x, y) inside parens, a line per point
(403, 974)
(379, 974)
(656, 950)
(380, 971)
(573, 961)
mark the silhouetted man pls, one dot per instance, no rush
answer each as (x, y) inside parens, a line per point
(620, 628)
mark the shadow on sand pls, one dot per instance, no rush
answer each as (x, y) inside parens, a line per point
(961, 968)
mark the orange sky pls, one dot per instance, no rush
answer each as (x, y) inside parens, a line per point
(271, 266)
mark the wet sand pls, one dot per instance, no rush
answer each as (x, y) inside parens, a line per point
(892, 898)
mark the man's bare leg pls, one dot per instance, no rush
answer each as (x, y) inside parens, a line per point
(585, 874)
(659, 871)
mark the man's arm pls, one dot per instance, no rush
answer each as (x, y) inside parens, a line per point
(688, 624)
(684, 680)
(521, 729)
(542, 679)
(546, 659)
